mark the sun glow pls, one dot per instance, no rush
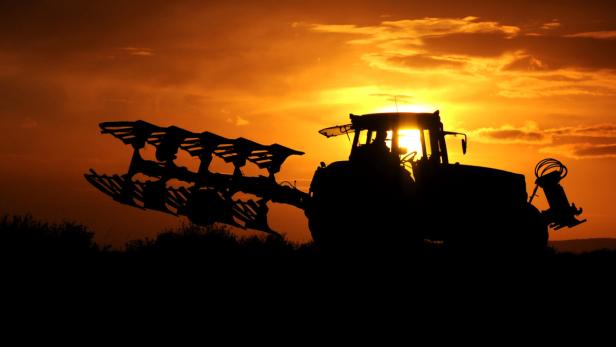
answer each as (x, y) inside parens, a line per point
(417, 108)
(409, 139)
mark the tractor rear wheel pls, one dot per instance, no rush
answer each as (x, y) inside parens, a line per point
(354, 209)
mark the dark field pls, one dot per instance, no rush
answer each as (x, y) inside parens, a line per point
(25, 238)
(46, 262)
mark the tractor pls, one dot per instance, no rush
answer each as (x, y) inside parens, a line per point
(384, 199)
(384, 196)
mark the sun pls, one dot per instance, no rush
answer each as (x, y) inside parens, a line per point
(409, 139)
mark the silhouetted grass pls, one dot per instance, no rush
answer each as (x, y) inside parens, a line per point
(47, 261)
(24, 238)
(190, 241)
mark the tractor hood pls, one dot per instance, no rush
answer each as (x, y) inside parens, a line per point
(490, 183)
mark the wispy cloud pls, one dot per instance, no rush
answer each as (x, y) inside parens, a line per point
(528, 134)
(514, 60)
(594, 141)
(139, 51)
(414, 30)
(554, 24)
(599, 35)
(525, 62)
(597, 130)
(582, 151)
(238, 121)
(541, 83)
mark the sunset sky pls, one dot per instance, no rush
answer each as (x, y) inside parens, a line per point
(525, 79)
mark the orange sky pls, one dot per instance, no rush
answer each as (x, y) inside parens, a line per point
(525, 80)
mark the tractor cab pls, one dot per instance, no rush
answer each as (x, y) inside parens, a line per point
(403, 137)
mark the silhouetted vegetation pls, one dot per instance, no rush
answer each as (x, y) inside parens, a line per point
(191, 241)
(24, 238)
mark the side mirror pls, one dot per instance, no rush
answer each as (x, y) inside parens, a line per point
(464, 140)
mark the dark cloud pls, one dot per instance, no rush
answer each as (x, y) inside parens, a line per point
(583, 139)
(594, 141)
(471, 44)
(595, 151)
(599, 35)
(515, 135)
(596, 130)
(526, 63)
(424, 61)
(529, 134)
(553, 52)
(432, 41)
(583, 151)
(572, 52)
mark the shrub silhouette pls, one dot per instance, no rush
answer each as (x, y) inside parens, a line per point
(24, 237)
(190, 241)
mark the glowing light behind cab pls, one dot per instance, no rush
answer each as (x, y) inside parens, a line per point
(406, 108)
(410, 140)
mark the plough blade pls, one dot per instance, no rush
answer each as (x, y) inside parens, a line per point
(118, 188)
(210, 196)
(168, 140)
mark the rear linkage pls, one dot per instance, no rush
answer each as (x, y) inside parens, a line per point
(549, 173)
(210, 198)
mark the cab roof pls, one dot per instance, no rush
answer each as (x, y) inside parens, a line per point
(394, 120)
(384, 121)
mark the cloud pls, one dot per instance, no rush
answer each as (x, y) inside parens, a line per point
(238, 121)
(414, 31)
(136, 51)
(425, 61)
(531, 133)
(590, 150)
(507, 134)
(559, 52)
(578, 142)
(582, 151)
(554, 24)
(599, 35)
(526, 63)
(448, 26)
(519, 62)
(525, 79)
(596, 130)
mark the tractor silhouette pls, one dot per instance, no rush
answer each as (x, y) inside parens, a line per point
(383, 199)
